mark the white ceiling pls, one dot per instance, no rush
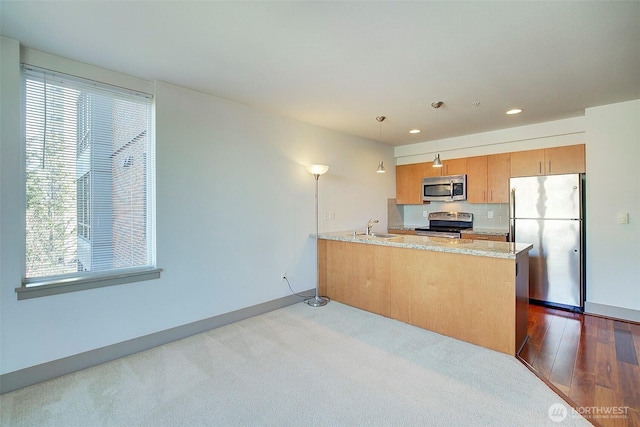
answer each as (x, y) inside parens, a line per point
(340, 64)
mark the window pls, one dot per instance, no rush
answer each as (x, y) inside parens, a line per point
(83, 199)
(89, 184)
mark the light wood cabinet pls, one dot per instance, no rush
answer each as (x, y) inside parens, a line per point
(488, 178)
(430, 171)
(409, 183)
(481, 236)
(569, 159)
(453, 167)
(549, 161)
(485, 303)
(498, 173)
(527, 163)
(406, 232)
(477, 179)
(409, 178)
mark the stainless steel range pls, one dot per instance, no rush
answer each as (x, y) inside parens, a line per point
(446, 224)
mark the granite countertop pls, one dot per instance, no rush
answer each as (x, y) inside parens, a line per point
(405, 227)
(439, 244)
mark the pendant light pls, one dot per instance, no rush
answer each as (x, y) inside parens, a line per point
(380, 169)
(436, 161)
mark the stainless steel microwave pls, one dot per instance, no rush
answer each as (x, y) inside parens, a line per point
(444, 188)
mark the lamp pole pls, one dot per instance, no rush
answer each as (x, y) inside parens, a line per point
(317, 301)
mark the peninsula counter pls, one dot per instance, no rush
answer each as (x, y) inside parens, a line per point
(475, 291)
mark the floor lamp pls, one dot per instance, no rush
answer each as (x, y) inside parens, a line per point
(316, 171)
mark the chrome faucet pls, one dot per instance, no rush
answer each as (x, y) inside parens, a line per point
(370, 224)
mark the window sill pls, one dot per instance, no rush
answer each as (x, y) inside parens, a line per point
(42, 288)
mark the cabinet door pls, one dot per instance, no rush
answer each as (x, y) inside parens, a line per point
(527, 163)
(408, 232)
(477, 179)
(568, 159)
(454, 167)
(409, 183)
(498, 172)
(429, 170)
(491, 237)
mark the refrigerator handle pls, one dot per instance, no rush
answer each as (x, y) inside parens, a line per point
(512, 216)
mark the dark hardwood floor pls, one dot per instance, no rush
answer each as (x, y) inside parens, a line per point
(592, 362)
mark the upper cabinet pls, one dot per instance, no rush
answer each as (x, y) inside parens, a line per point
(428, 171)
(549, 161)
(409, 183)
(451, 167)
(569, 159)
(409, 178)
(488, 176)
(488, 179)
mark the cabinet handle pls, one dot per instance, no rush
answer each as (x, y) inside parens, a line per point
(491, 198)
(483, 195)
(549, 166)
(540, 167)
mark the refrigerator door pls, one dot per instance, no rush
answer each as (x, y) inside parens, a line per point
(555, 272)
(552, 196)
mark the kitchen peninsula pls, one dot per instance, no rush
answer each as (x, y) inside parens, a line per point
(475, 291)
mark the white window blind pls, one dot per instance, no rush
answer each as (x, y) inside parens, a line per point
(90, 178)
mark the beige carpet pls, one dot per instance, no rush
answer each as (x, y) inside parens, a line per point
(297, 366)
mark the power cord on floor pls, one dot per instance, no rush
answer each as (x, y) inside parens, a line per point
(300, 295)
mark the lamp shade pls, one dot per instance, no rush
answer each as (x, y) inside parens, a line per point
(436, 162)
(317, 169)
(381, 168)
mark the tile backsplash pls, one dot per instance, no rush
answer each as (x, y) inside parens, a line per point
(486, 215)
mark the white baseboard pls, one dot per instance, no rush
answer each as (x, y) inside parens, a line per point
(34, 374)
(611, 311)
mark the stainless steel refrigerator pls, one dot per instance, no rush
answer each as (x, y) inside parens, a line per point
(547, 211)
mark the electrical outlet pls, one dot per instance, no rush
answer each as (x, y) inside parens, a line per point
(425, 213)
(490, 214)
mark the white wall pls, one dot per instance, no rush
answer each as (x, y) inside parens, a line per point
(235, 207)
(612, 250)
(542, 135)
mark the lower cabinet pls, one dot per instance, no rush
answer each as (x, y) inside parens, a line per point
(409, 232)
(485, 302)
(482, 236)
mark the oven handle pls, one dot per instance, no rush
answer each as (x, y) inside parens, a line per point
(451, 189)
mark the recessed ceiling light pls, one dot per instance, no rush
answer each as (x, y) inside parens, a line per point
(414, 131)
(514, 111)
